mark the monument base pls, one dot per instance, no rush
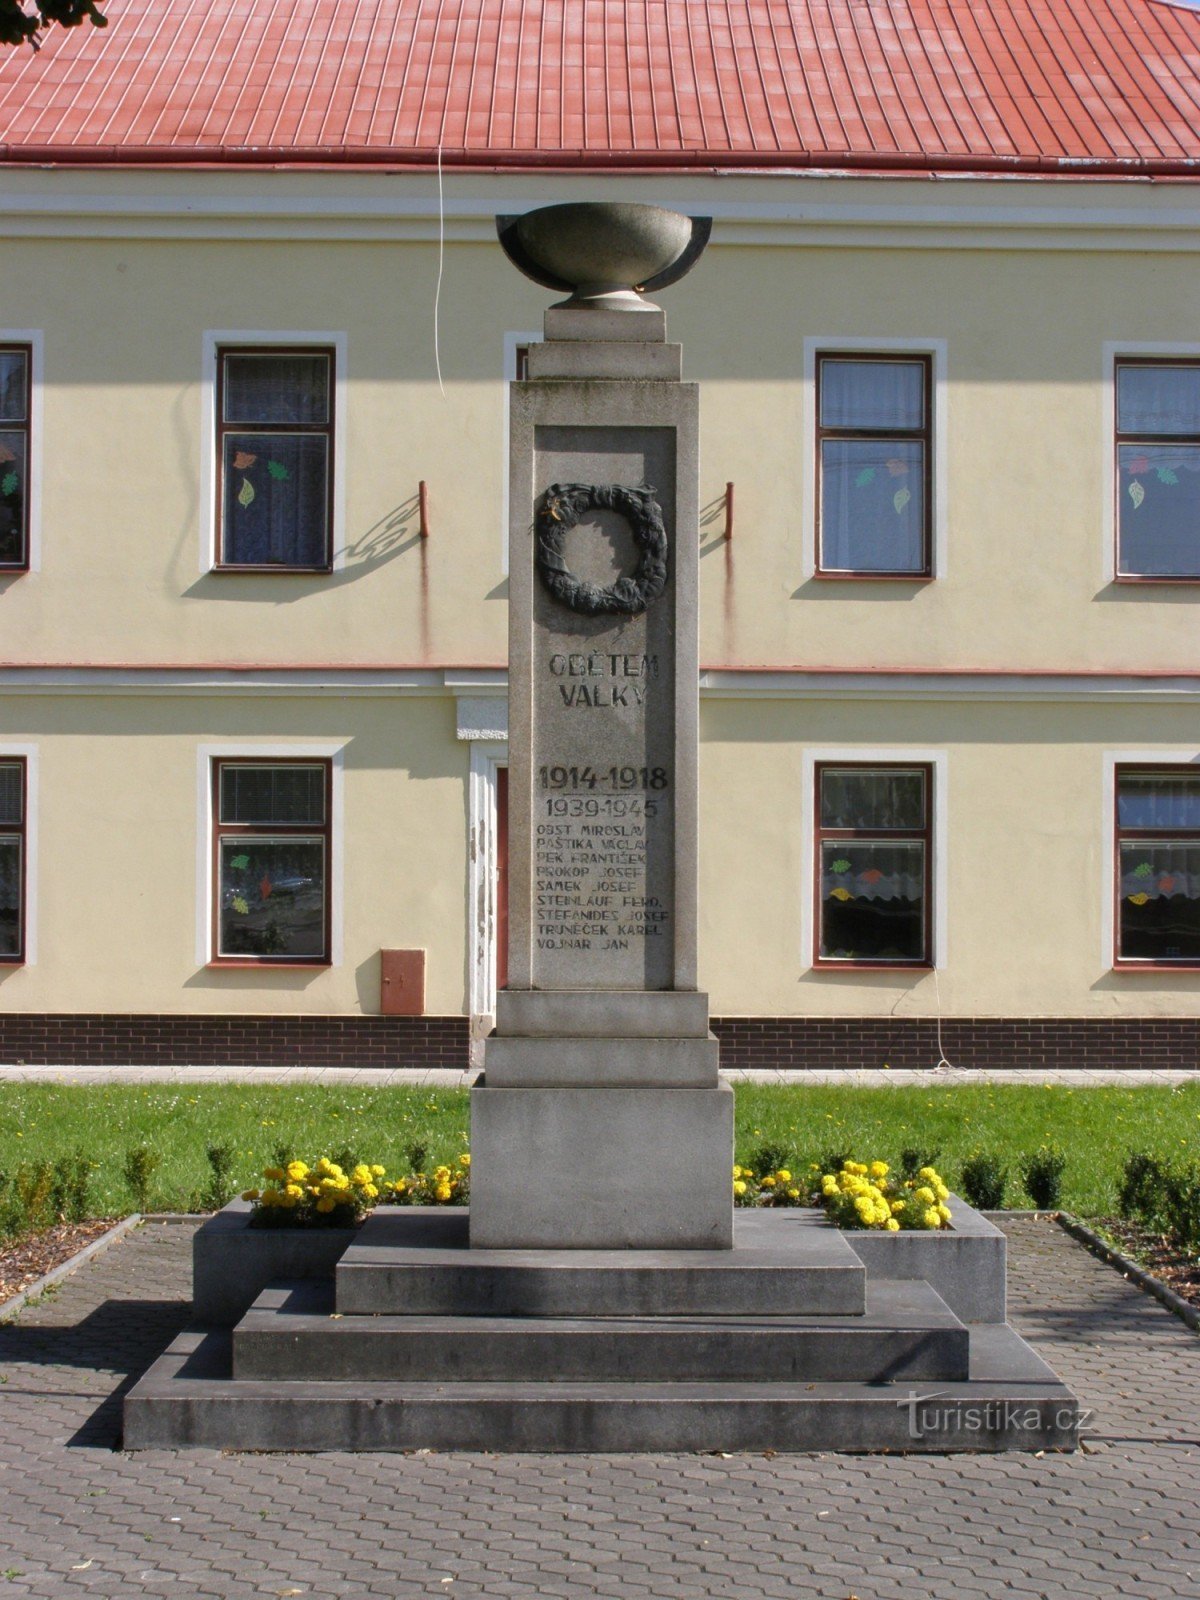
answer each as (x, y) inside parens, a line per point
(611, 1166)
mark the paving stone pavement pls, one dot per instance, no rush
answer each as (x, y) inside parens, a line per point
(1118, 1519)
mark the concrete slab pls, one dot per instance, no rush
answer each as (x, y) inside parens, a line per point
(421, 1263)
(906, 1332)
(184, 1402)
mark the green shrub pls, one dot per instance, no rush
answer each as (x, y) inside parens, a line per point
(1180, 1206)
(914, 1157)
(220, 1188)
(833, 1160)
(1139, 1199)
(418, 1155)
(983, 1181)
(139, 1167)
(769, 1158)
(1042, 1175)
(70, 1187)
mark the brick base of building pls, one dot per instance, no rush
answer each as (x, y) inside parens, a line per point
(792, 1044)
(796, 1044)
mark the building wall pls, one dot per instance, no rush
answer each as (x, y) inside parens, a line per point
(1022, 288)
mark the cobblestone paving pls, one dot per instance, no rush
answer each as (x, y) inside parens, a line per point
(1118, 1519)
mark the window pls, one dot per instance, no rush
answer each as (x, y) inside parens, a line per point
(271, 860)
(873, 867)
(1158, 469)
(12, 862)
(275, 428)
(16, 397)
(1158, 865)
(874, 465)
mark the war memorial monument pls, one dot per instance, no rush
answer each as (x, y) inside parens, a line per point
(600, 1294)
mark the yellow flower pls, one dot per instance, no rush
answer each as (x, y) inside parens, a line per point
(442, 1192)
(927, 1174)
(784, 1175)
(297, 1170)
(941, 1190)
(897, 1207)
(768, 1182)
(892, 1225)
(944, 1213)
(737, 1172)
(250, 1194)
(924, 1196)
(793, 1194)
(378, 1171)
(276, 1174)
(326, 1204)
(464, 1160)
(829, 1184)
(294, 1191)
(931, 1218)
(739, 1187)
(370, 1190)
(879, 1169)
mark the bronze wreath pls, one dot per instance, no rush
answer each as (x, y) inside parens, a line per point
(562, 506)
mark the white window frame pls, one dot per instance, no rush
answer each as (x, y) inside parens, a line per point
(232, 750)
(833, 344)
(867, 755)
(29, 754)
(1125, 350)
(1108, 929)
(35, 339)
(214, 339)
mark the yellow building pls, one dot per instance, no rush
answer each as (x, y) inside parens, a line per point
(254, 345)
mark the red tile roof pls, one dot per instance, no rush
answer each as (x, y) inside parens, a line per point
(1053, 86)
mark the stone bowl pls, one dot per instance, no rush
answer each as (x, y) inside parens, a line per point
(604, 252)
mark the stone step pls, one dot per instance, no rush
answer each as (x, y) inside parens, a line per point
(420, 1263)
(1012, 1401)
(906, 1332)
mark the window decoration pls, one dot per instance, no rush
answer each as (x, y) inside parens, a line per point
(874, 465)
(12, 861)
(271, 866)
(16, 401)
(1158, 865)
(275, 451)
(1158, 469)
(873, 866)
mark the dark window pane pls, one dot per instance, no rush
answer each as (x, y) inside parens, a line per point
(272, 794)
(12, 791)
(286, 388)
(13, 447)
(869, 800)
(1160, 901)
(275, 503)
(10, 896)
(872, 394)
(14, 395)
(1168, 800)
(873, 505)
(1159, 510)
(1156, 399)
(872, 901)
(272, 897)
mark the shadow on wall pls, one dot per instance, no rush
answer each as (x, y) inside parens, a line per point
(393, 535)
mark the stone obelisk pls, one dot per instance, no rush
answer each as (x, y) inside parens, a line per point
(600, 1120)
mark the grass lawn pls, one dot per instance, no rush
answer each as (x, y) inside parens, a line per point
(1097, 1128)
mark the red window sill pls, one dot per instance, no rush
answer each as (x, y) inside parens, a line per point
(869, 966)
(822, 576)
(1133, 578)
(232, 963)
(1135, 967)
(278, 569)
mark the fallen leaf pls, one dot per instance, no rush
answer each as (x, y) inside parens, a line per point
(285, 1594)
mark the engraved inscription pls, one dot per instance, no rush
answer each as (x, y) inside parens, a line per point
(601, 778)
